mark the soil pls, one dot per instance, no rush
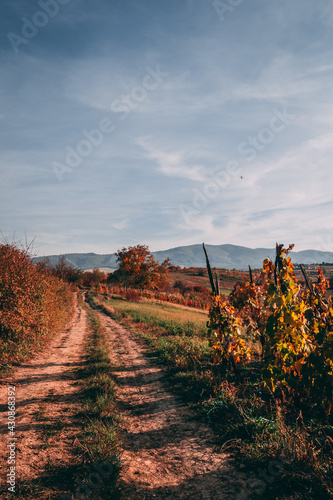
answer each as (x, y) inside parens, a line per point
(46, 395)
(167, 454)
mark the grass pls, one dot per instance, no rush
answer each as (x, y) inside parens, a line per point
(174, 320)
(256, 428)
(100, 436)
(40, 414)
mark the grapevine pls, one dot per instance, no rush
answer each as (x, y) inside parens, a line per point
(293, 321)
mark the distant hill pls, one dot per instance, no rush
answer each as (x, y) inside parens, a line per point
(84, 260)
(227, 256)
(236, 257)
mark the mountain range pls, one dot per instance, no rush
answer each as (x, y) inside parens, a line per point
(222, 256)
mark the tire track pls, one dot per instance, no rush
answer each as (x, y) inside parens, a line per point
(45, 386)
(167, 454)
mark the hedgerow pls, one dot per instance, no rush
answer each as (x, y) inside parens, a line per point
(34, 305)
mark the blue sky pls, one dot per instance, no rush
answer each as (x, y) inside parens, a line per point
(166, 123)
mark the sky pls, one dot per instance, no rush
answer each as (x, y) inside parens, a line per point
(166, 123)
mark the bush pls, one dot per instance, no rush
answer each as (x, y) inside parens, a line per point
(182, 287)
(34, 304)
(133, 295)
(201, 289)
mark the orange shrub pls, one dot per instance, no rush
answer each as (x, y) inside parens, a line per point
(34, 304)
(133, 295)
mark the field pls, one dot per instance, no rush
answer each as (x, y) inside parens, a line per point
(199, 277)
(173, 319)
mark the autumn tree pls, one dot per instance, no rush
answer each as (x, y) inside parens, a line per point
(94, 278)
(138, 268)
(63, 270)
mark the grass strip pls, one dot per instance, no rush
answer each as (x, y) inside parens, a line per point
(100, 437)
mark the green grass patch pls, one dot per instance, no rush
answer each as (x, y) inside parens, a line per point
(100, 436)
(174, 320)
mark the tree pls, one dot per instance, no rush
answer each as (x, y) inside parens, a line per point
(138, 268)
(62, 269)
(94, 278)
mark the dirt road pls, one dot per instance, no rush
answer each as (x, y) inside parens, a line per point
(45, 395)
(167, 454)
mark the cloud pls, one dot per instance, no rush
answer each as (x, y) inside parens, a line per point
(173, 164)
(224, 80)
(123, 224)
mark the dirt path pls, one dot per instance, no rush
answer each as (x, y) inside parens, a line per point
(45, 404)
(167, 454)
